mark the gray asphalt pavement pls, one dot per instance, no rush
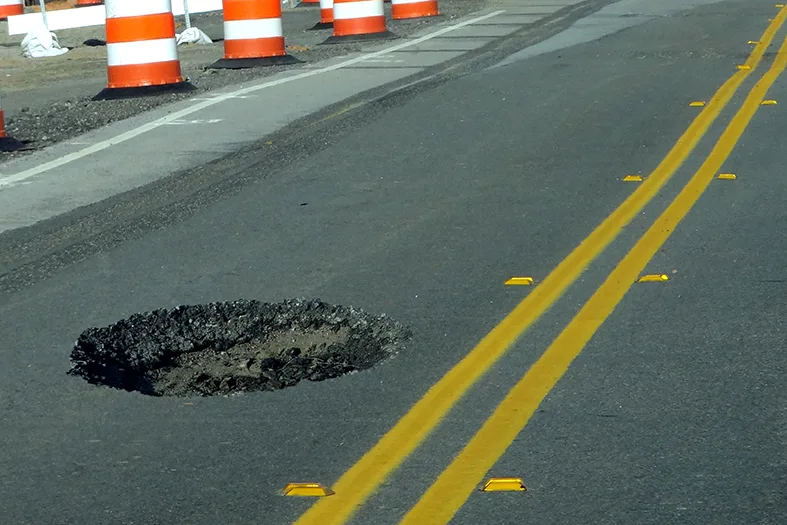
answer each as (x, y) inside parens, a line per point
(420, 205)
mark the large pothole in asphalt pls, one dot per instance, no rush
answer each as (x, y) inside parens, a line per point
(231, 347)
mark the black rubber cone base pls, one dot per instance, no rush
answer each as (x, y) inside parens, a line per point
(144, 91)
(321, 25)
(246, 63)
(11, 144)
(385, 35)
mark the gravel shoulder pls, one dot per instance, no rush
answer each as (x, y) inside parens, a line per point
(49, 100)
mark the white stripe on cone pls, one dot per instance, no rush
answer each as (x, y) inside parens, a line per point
(145, 52)
(250, 29)
(362, 9)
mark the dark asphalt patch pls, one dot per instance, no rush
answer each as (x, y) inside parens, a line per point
(231, 347)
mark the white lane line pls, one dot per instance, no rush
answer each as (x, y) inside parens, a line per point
(240, 97)
(382, 61)
(128, 135)
(191, 122)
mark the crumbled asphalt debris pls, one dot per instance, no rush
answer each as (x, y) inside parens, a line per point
(231, 347)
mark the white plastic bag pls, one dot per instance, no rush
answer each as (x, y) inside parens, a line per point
(40, 42)
(193, 35)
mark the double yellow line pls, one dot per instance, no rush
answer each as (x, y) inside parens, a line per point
(452, 488)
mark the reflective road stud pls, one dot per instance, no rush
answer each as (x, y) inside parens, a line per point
(727, 176)
(253, 35)
(632, 178)
(307, 489)
(403, 9)
(11, 8)
(697, 104)
(520, 281)
(504, 485)
(653, 278)
(142, 54)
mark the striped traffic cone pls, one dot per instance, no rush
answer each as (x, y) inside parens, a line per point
(7, 143)
(11, 8)
(87, 3)
(404, 9)
(355, 20)
(142, 53)
(253, 35)
(326, 15)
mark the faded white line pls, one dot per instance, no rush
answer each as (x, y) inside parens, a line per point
(383, 61)
(240, 97)
(128, 135)
(192, 122)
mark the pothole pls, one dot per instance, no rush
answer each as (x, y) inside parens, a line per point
(231, 347)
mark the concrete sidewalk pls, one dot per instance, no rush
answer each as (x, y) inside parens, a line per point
(190, 133)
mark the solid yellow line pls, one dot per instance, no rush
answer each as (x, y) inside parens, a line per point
(362, 479)
(452, 488)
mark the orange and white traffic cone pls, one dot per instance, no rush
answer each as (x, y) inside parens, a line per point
(87, 3)
(11, 8)
(253, 35)
(326, 15)
(404, 9)
(355, 20)
(7, 143)
(142, 53)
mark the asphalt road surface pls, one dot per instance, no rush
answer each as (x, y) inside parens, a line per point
(614, 401)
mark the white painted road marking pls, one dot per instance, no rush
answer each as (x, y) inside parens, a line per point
(382, 61)
(128, 135)
(190, 122)
(241, 97)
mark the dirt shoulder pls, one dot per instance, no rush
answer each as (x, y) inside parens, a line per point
(48, 100)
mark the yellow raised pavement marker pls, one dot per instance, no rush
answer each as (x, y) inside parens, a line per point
(520, 281)
(504, 485)
(632, 178)
(653, 278)
(768, 103)
(307, 489)
(727, 176)
(697, 104)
